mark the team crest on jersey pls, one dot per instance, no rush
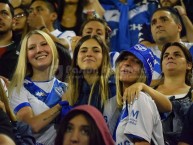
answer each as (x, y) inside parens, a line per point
(40, 94)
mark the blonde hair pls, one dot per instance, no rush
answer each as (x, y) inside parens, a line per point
(76, 74)
(24, 68)
(119, 85)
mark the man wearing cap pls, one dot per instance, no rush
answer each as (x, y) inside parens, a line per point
(139, 121)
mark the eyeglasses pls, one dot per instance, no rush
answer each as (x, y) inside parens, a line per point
(20, 15)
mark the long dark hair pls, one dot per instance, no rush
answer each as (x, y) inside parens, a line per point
(95, 137)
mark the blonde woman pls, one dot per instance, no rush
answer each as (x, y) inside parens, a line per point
(35, 92)
(139, 122)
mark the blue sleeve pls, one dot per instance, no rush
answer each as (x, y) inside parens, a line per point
(65, 108)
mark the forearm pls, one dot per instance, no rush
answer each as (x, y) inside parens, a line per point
(188, 26)
(162, 102)
(40, 121)
(99, 9)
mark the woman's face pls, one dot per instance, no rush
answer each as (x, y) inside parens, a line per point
(90, 55)
(129, 69)
(174, 60)
(77, 132)
(39, 53)
(20, 19)
(94, 28)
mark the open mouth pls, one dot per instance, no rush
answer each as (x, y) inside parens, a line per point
(41, 57)
(126, 71)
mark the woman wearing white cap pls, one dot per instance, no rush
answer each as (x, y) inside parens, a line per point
(139, 121)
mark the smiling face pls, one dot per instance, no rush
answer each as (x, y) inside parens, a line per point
(129, 69)
(90, 55)
(39, 53)
(174, 60)
(164, 29)
(77, 131)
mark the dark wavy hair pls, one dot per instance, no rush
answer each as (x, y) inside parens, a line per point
(188, 57)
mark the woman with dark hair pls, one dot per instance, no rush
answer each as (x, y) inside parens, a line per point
(72, 13)
(176, 68)
(84, 125)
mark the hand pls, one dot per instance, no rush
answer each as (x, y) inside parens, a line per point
(182, 4)
(6, 81)
(2, 106)
(132, 92)
(35, 21)
(181, 10)
(74, 41)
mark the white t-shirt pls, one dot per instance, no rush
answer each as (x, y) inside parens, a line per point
(25, 98)
(140, 120)
(111, 113)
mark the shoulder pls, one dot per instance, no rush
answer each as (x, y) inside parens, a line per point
(60, 83)
(145, 100)
(188, 45)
